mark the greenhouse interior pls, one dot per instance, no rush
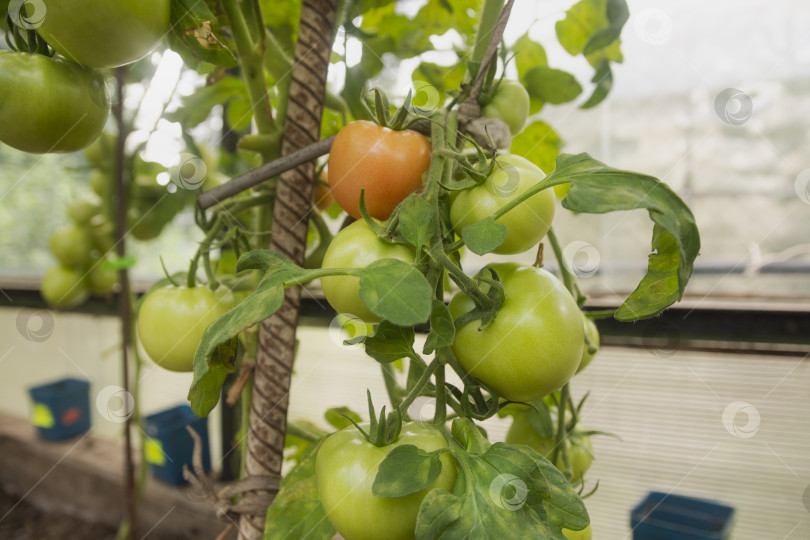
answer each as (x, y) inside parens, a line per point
(405, 270)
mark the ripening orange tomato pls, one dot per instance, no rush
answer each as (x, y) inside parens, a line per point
(387, 164)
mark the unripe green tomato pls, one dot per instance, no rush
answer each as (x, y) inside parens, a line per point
(81, 211)
(534, 344)
(71, 245)
(104, 33)
(356, 246)
(100, 280)
(102, 151)
(63, 287)
(101, 234)
(527, 223)
(171, 322)
(579, 452)
(346, 467)
(562, 190)
(584, 534)
(593, 334)
(510, 104)
(49, 104)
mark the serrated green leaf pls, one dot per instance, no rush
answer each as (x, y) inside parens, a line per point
(195, 35)
(604, 82)
(539, 143)
(198, 105)
(504, 492)
(442, 330)
(297, 511)
(540, 419)
(597, 188)
(484, 236)
(617, 15)
(390, 342)
(396, 291)
(210, 375)
(528, 54)
(406, 470)
(416, 220)
(551, 85)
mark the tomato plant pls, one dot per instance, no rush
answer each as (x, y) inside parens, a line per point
(171, 321)
(105, 33)
(63, 287)
(384, 164)
(510, 104)
(589, 351)
(528, 223)
(49, 104)
(346, 469)
(533, 345)
(356, 246)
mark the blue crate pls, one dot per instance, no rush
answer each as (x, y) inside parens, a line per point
(169, 446)
(674, 517)
(61, 409)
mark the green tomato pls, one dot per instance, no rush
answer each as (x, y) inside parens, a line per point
(101, 153)
(584, 534)
(101, 233)
(527, 223)
(100, 280)
(510, 104)
(49, 104)
(71, 245)
(100, 182)
(346, 466)
(593, 334)
(580, 450)
(534, 344)
(81, 211)
(63, 287)
(171, 322)
(356, 246)
(104, 33)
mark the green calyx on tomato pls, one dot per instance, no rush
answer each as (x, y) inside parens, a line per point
(510, 104)
(384, 164)
(171, 322)
(63, 287)
(49, 104)
(577, 443)
(104, 33)
(356, 246)
(534, 344)
(527, 223)
(71, 245)
(590, 350)
(346, 467)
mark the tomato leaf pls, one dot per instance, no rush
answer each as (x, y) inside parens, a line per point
(510, 489)
(390, 342)
(406, 470)
(551, 85)
(396, 291)
(617, 15)
(540, 419)
(336, 417)
(484, 236)
(416, 220)
(194, 35)
(209, 370)
(539, 143)
(604, 82)
(597, 189)
(442, 330)
(297, 511)
(528, 54)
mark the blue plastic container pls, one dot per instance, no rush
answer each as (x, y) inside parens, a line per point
(169, 445)
(61, 409)
(673, 517)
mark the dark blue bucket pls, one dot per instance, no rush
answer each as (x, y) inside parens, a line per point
(169, 445)
(61, 409)
(673, 517)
